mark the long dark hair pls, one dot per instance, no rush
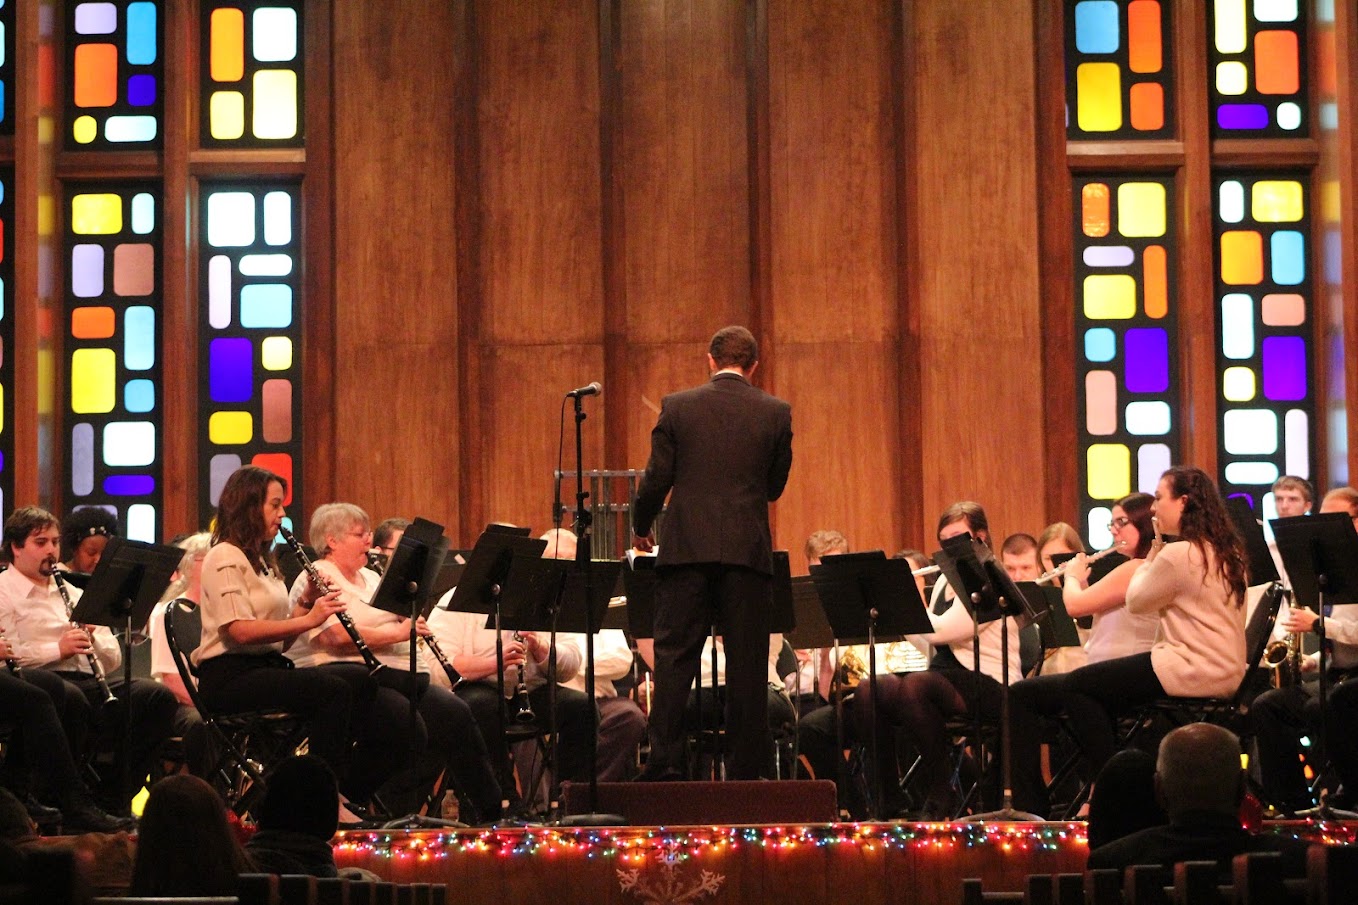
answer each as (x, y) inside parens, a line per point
(1205, 523)
(1137, 506)
(184, 845)
(239, 514)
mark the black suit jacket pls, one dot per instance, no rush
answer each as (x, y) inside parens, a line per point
(1198, 837)
(725, 448)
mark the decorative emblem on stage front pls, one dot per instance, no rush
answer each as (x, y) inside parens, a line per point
(667, 887)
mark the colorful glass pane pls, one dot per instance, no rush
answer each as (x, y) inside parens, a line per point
(1332, 365)
(251, 75)
(1266, 396)
(1258, 65)
(112, 345)
(115, 71)
(1118, 72)
(1126, 317)
(7, 29)
(250, 392)
(6, 338)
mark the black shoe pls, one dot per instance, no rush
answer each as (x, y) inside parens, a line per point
(40, 813)
(660, 774)
(86, 818)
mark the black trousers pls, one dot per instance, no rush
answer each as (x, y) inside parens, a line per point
(1032, 703)
(689, 599)
(1097, 694)
(573, 721)
(33, 703)
(1281, 716)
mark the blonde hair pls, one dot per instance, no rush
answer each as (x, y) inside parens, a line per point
(334, 519)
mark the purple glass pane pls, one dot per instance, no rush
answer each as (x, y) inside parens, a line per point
(230, 369)
(87, 271)
(1247, 497)
(1284, 368)
(1147, 360)
(129, 485)
(1242, 116)
(2, 461)
(141, 90)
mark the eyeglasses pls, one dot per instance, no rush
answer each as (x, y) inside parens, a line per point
(367, 533)
(1118, 523)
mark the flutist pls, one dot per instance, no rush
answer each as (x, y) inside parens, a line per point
(35, 620)
(446, 732)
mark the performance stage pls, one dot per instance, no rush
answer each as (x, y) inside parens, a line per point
(865, 863)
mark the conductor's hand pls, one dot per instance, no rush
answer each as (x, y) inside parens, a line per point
(644, 544)
(324, 608)
(74, 642)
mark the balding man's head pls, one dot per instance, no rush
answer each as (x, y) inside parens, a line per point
(1199, 770)
(561, 544)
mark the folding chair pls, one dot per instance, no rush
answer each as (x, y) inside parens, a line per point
(248, 745)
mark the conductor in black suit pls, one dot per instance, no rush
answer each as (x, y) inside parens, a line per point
(725, 449)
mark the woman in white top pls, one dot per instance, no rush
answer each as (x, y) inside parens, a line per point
(341, 533)
(1116, 633)
(1197, 586)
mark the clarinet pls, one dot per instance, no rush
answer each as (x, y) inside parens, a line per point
(95, 665)
(10, 662)
(369, 658)
(454, 677)
(523, 712)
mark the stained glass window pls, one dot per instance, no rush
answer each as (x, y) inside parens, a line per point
(251, 73)
(250, 394)
(1266, 395)
(6, 70)
(114, 392)
(1118, 81)
(1329, 294)
(1257, 68)
(6, 338)
(114, 71)
(1126, 340)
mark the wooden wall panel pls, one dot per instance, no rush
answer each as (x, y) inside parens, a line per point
(395, 317)
(517, 453)
(972, 179)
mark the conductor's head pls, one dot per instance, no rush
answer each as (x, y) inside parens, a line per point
(733, 348)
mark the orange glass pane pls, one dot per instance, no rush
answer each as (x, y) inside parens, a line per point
(1094, 209)
(1155, 281)
(228, 45)
(1325, 67)
(1242, 257)
(47, 76)
(96, 75)
(1148, 106)
(93, 322)
(1275, 62)
(1143, 36)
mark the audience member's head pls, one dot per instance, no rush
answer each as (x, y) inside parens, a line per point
(1123, 800)
(15, 823)
(84, 535)
(185, 846)
(824, 543)
(1199, 771)
(561, 544)
(302, 797)
(964, 517)
(1293, 496)
(1018, 555)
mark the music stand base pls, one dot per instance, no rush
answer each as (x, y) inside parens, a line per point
(1005, 815)
(593, 820)
(420, 822)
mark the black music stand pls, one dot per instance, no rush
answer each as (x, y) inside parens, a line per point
(1057, 628)
(482, 587)
(1320, 554)
(810, 631)
(1262, 568)
(406, 590)
(125, 586)
(866, 596)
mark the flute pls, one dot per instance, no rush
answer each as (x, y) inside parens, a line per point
(1066, 566)
(95, 666)
(926, 570)
(369, 658)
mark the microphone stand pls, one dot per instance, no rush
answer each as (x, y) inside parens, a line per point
(583, 556)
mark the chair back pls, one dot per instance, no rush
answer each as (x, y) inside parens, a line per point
(181, 611)
(1257, 635)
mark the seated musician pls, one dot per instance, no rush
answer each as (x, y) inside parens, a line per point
(84, 534)
(1282, 716)
(186, 587)
(35, 619)
(1057, 538)
(470, 649)
(1197, 586)
(921, 703)
(1117, 632)
(341, 534)
(1019, 557)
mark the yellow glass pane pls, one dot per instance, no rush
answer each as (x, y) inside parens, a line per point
(227, 42)
(1141, 209)
(1110, 471)
(46, 381)
(230, 428)
(1109, 296)
(47, 215)
(1329, 200)
(1232, 78)
(275, 104)
(1229, 16)
(1276, 201)
(226, 115)
(1098, 88)
(1242, 257)
(1237, 384)
(47, 129)
(84, 130)
(93, 381)
(275, 353)
(96, 215)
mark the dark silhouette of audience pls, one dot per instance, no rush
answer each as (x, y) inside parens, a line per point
(1124, 799)
(185, 847)
(1200, 783)
(296, 820)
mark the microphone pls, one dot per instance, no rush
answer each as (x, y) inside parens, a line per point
(593, 389)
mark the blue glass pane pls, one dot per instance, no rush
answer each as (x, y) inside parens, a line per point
(139, 396)
(1147, 360)
(266, 306)
(1101, 344)
(141, 34)
(231, 376)
(129, 485)
(1289, 257)
(141, 90)
(139, 338)
(1096, 26)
